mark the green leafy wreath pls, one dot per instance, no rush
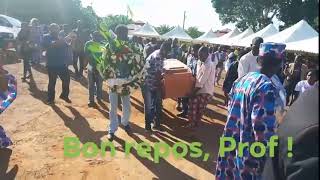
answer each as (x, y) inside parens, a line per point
(112, 53)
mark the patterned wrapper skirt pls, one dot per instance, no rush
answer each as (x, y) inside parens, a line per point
(6, 98)
(197, 105)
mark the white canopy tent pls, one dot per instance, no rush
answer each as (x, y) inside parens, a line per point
(178, 33)
(236, 39)
(263, 33)
(146, 31)
(308, 45)
(223, 38)
(300, 31)
(207, 36)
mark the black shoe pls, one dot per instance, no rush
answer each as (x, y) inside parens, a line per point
(148, 128)
(29, 76)
(110, 137)
(50, 103)
(182, 115)
(99, 101)
(66, 99)
(158, 128)
(92, 104)
(179, 108)
(127, 128)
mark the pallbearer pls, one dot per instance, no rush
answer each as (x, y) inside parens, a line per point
(204, 87)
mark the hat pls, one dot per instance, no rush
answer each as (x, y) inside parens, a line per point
(275, 50)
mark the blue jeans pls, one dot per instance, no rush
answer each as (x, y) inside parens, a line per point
(126, 108)
(94, 85)
(152, 106)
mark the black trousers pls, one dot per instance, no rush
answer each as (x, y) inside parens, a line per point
(290, 90)
(78, 56)
(26, 65)
(63, 74)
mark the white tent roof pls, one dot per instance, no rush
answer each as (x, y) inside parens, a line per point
(146, 30)
(300, 31)
(263, 33)
(236, 39)
(207, 36)
(224, 37)
(308, 45)
(179, 33)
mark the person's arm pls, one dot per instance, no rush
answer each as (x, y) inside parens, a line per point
(242, 67)
(202, 78)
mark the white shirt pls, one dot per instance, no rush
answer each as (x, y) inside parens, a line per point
(302, 86)
(206, 77)
(248, 63)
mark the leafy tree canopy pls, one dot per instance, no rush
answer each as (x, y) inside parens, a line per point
(259, 13)
(162, 29)
(48, 11)
(114, 20)
(194, 32)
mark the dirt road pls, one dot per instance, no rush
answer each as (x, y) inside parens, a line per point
(38, 130)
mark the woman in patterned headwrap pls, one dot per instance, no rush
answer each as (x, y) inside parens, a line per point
(8, 92)
(254, 101)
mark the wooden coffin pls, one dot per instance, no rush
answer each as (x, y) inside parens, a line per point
(178, 80)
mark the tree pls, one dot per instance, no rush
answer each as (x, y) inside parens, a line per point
(162, 29)
(194, 32)
(49, 11)
(259, 13)
(114, 20)
(293, 11)
(316, 23)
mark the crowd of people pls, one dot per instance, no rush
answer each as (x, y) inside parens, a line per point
(259, 81)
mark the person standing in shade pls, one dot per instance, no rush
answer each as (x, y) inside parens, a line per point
(94, 78)
(56, 55)
(35, 39)
(176, 51)
(78, 47)
(220, 56)
(252, 116)
(192, 63)
(152, 87)
(25, 50)
(249, 62)
(204, 87)
(294, 72)
(231, 76)
(150, 48)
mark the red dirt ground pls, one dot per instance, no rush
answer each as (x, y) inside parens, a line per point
(38, 130)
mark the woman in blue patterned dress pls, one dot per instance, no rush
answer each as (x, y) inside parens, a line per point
(254, 100)
(8, 93)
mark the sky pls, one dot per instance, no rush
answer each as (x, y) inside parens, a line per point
(199, 13)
